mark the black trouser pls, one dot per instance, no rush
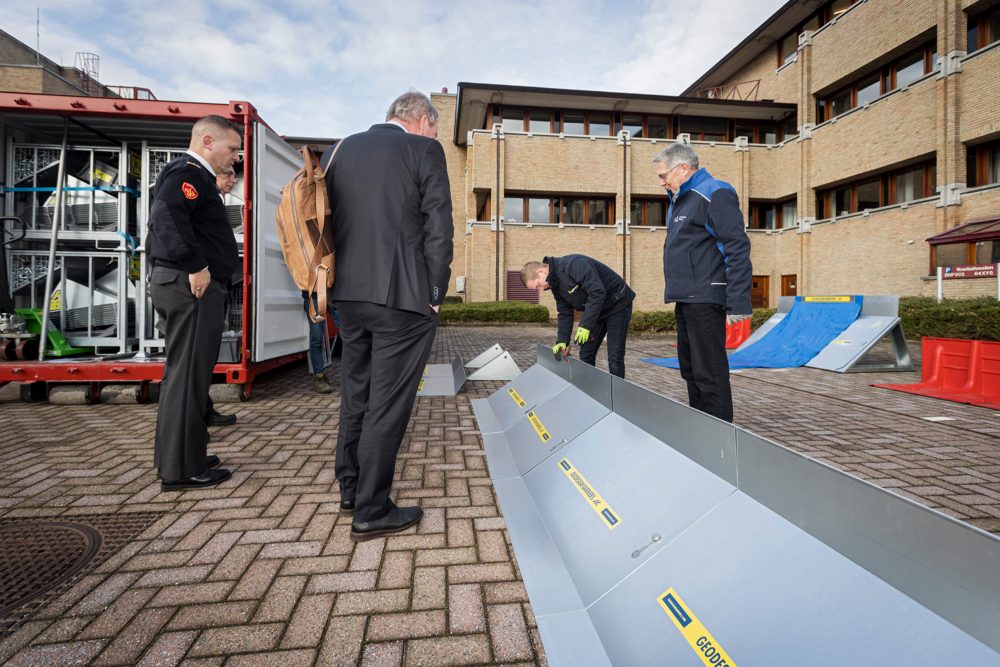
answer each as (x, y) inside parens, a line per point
(615, 327)
(193, 333)
(383, 355)
(701, 353)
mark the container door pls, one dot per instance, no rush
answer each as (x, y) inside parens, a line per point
(279, 322)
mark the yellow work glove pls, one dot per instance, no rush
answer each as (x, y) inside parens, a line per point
(559, 348)
(582, 335)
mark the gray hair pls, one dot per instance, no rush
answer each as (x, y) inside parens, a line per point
(411, 106)
(676, 154)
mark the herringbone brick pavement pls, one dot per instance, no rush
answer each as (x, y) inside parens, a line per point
(261, 570)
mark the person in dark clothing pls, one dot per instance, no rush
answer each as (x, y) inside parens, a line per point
(582, 283)
(193, 253)
(707, 273)
(392, 228)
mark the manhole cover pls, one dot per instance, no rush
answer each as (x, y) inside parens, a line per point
(39, 556)
(43, 557)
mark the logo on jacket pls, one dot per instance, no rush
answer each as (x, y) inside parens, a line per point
(680, 218)
(188, 190)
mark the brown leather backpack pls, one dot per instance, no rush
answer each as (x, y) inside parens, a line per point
(306, 234)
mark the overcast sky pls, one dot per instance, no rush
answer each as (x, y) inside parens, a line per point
(329, 69)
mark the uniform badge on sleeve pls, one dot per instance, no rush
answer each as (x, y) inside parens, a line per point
(189, 190)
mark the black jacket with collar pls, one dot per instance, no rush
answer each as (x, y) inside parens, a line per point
(188, 226)
(391, 211)
(582, 283)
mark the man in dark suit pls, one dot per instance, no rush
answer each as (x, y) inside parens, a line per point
(194, 254)
(392, 227)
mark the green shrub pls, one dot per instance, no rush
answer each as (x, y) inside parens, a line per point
(663, 321)
(652, 321)
(977, 319)
(494, 311)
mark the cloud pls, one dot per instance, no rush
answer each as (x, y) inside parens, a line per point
(320, 68)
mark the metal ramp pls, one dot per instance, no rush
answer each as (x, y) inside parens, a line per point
(879, 318)
(442, 379)
(651, 533)
(493, 364)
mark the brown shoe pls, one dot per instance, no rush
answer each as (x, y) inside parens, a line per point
(321, 384)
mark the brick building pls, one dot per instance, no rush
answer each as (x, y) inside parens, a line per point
(24, 70)
(852, 131)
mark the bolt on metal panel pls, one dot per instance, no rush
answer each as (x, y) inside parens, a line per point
(485, 357)
(746, 586)
(624, 494)
(551, 426)
(502, 368)
(950, 567)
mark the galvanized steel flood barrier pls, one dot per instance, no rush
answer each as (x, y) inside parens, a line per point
(650, 533)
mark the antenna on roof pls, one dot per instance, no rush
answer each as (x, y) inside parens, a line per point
(38, 36)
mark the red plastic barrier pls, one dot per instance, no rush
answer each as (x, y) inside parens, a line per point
(964, 371)
(737, 333)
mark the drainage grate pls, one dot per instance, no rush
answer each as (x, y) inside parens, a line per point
(40, 558)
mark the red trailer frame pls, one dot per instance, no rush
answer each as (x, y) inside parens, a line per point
(117, 371)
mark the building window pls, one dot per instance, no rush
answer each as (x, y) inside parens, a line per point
(704, 129)
(512, 119)
(984, 29)
(569, 210)
(911, 184)
(540, 121)
(828, 11)
(573, 123)
(648, 213)
(893, 187)
(789, 214)
(870, 87)
(983, 164)
(771, 215)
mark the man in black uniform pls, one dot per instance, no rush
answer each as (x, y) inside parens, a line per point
(194, 254)
(582, 283)
(392, 230)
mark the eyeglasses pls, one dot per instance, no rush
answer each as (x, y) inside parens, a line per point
(664, 175)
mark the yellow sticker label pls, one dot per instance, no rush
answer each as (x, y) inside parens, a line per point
(426, 369)
(103, 176)
(539, 429)
(590, 494)
(829, 299)
(55, 303)
(701, 640)
(516, 397)
(420, 387)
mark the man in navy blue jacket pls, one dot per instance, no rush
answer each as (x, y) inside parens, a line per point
(707, 271)
(582, 283)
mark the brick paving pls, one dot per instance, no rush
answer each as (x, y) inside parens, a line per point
(261, 570)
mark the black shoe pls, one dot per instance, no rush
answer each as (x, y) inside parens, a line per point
(202, 481)
(211, 461)
(346, 507)
(397, 520)
(213, 418)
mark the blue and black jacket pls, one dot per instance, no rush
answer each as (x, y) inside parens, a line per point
(706, 256)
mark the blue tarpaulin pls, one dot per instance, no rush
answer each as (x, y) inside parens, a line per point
(811, 325)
